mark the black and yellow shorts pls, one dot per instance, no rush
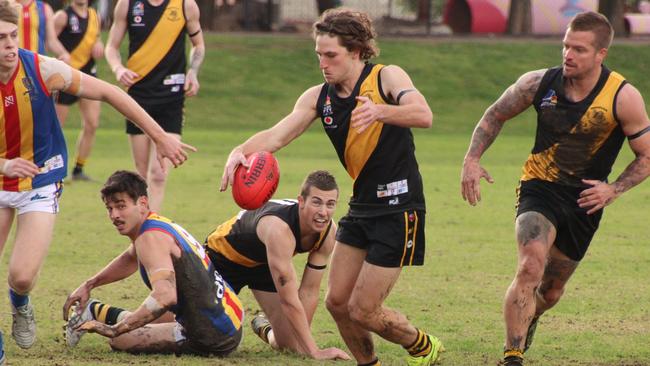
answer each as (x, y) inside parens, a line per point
(238, 276)
(393, 240)
(559, 204)
(168, 115)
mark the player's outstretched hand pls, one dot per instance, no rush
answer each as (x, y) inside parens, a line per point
(173, 149)
(598, 196)
(79, 296)
(470, 181)
(235, 159)
(19, 168)
(93, 326)
(332, 353)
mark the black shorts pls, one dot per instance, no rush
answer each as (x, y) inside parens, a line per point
(238, 276)
(559, 204)
(393, 240)
(69, 99)
(220, 344)
(168, 115)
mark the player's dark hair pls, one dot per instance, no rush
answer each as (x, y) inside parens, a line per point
(597, 24)
(123, 181)
(353, 28)
(8, 12)
(320, 179)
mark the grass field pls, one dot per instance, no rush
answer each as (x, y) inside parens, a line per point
(250, 82)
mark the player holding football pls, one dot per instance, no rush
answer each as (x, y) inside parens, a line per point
(584, 113)
(255, 249)
(207, 314)
(367, 111)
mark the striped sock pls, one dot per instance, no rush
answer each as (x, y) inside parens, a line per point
(421, 346)
(106, 314)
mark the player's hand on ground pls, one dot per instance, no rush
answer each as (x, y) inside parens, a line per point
(79, 296)
(191, 84)
(332, 353)
(470, 181)
(235, 159)
(598, 196)
(93, 326)
(125, 76)
(364, 114)
(173, 149)
(19, 168)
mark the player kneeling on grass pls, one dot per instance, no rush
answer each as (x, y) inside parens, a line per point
(255, 249)
(181, 277)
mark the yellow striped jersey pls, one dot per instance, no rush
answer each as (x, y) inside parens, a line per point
(79, 37)
(31, 27)
(381, 159)
(575, 140)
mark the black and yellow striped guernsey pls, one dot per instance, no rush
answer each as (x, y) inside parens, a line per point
(157, 50)
(575, 140)
(78, 38)
(237, 240)
(381, 160)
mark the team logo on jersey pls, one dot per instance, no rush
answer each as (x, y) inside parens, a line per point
(28, 83)
(327, 108)
(173, 14)
(74, 24)
(9, 100)
(138, 9)
(549, 100)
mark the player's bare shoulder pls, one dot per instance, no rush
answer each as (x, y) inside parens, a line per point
(528, 84)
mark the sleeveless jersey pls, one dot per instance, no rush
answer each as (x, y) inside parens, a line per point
(224, 308)
(79, 36)
(31, 27)
(237, 239)
(29, 127)
(381, 160)
(157, 50)
(575, 140)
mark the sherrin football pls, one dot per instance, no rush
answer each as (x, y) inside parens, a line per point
(255, 185)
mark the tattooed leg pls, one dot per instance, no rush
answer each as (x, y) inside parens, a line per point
(559, 269)
(535, 236)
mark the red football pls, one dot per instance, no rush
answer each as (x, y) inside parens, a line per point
(254, 186)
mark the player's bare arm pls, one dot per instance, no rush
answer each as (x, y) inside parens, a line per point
(516, 99)
(60, 19)
(197, 53)
(115, 36)
(280, 245)
(154, 251)
(51, 40)
(634, 121)
(276, 137)
(123, 266)
(411, 110)
(312, 276)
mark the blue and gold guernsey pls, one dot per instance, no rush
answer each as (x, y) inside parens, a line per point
(157, 50)
(575, 140)
(29, 128)
(381, 159)
(31, 26)
(204, 299)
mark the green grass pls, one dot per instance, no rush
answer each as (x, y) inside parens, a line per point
(249, 82)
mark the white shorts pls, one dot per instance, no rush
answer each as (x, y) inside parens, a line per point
(42, 199)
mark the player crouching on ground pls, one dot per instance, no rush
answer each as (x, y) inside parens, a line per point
(255, 249)
(180, 275)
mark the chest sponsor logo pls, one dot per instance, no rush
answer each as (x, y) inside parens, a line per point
(328, 120)
(138, 13)
(549, 100)
(392, 189)
(28, 83)
(73, 23)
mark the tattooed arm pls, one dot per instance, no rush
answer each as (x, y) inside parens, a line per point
(198, 48)
(517, 98)
(634, 120)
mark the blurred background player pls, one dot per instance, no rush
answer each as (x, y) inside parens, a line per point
(33, 157)
(155, 73)
(206, 315)
(36, 29)
(78, 28)
(367, 111)
(255, 249)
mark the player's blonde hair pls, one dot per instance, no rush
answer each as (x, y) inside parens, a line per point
(353, 28)
(8, 12)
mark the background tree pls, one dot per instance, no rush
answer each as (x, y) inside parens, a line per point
(519, 18)
(613, 10)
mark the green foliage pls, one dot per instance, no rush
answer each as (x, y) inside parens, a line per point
(248, 83)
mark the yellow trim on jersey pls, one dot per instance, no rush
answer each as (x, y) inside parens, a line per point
(406, 237)
(159, 42)
(81, 54)
(359, 146)
(228, 309)
(217, 242)
(27, 122)
(321, 237)
(415, 233)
